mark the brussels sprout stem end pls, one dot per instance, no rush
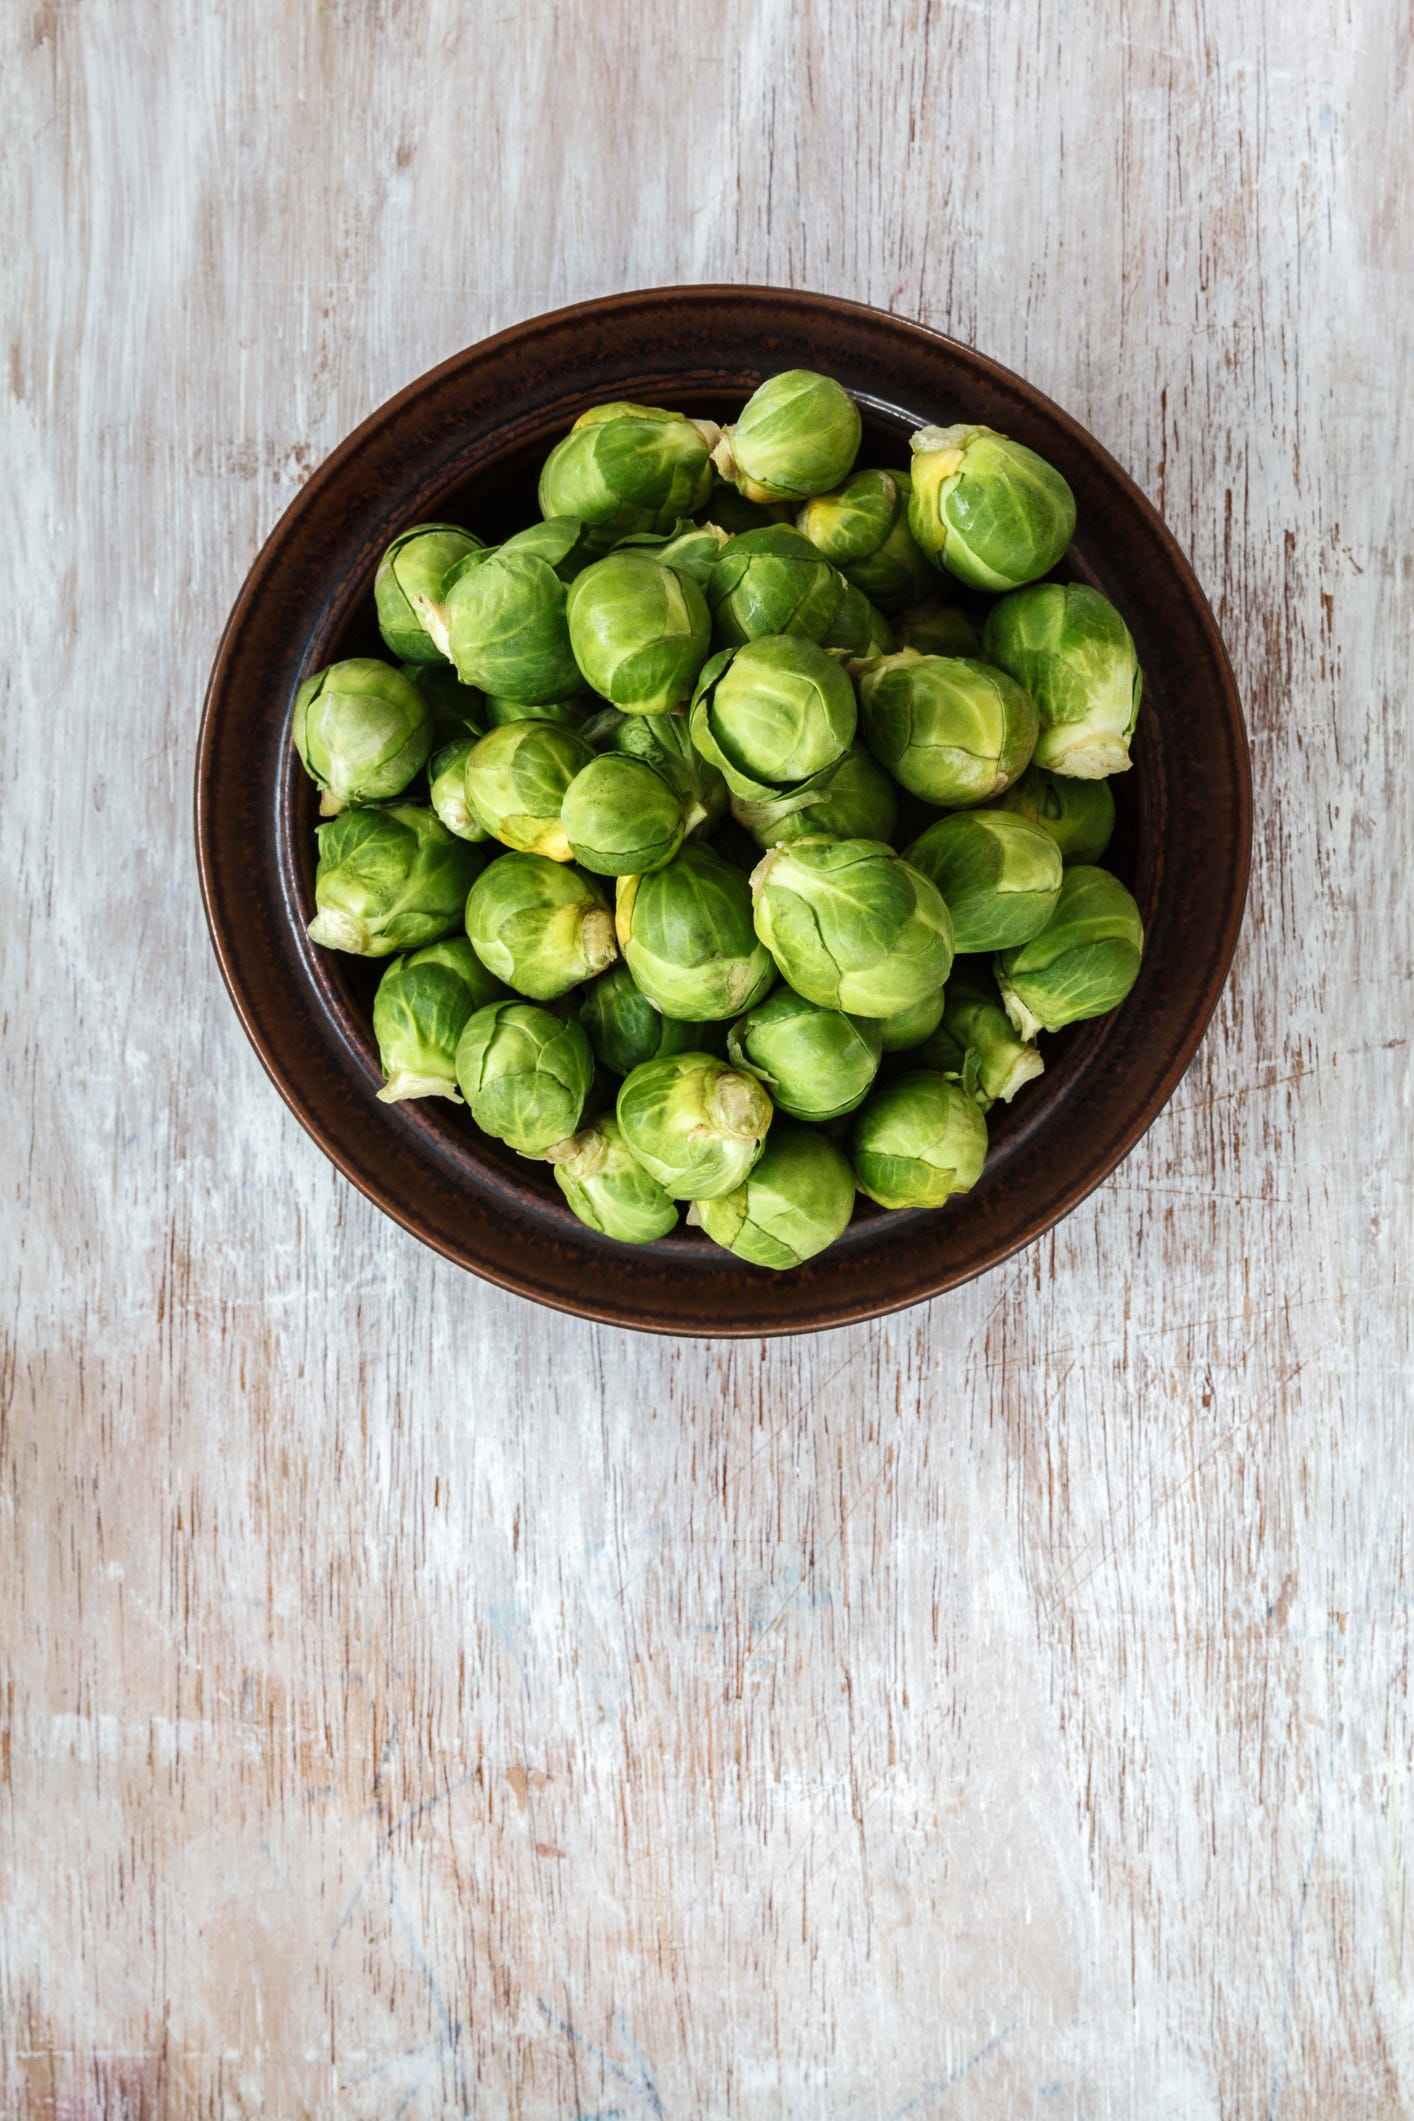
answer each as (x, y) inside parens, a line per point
(1024, 1023)
(337, 930)
(403, 1083)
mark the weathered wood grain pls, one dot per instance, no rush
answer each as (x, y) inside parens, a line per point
(417, 1704)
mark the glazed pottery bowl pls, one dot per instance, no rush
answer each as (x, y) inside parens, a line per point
(464, 444)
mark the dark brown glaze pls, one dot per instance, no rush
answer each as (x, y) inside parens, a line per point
(463, 444)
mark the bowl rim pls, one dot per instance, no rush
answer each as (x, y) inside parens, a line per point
(749, 1318)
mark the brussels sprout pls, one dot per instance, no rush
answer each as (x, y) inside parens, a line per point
(857, 801)
(446, 777)
(539, 925)
(625, 467)
(917, 1140)
(938, 629)
(516, 780)
(950, 729)
(664, 742)
(798, 434)
(854, 520)
(620, 817)
(908, 1028)
(692, 1122)
(525, 1073)
(362, 730)
(457, 710)
(686, 935)
(691, 548)
(608, 1188)
(566, 545)
(416, 565)
(999, 875)
(1069, 648)
(420, 1012)
(389, 879)
(772, 581)
(859, 630)
(797, 1198)
(625, 1029)
(640, 632)
(505, 627)
(988, 509)
(992, 1061)
(569, 714)
(863, 528)
(851, 925)
(773, 714)
(816, 1063)
(1079, 815)
(1084, 961)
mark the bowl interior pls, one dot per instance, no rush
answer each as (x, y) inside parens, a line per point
(500, 498)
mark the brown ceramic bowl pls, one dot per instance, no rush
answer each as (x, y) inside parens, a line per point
(464, 444)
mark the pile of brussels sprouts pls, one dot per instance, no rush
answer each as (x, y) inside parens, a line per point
(745, 872)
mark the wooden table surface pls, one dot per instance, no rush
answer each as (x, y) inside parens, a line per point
(418, 1704)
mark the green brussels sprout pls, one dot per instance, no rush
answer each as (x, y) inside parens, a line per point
(1068, 647)
(640, 632)
(797, 1198)
(570, 714)
(625, 1029)
(517, 777)
(686, 935)
(608, 1188)
(798, 434)
(991, 1060)
(620, 817)
(505, 626)
(859, 631)
(1000, 876)
(856, 801)
(728, 510)
(446, 787)
(390, 878)
(625, 467)
(664, 742)
(362, 730)
(938, 629)
(987, 509)
(773, 714)
(525, 1073)
(949, 728)
(419, 1013)
(772, 581)
(694, 1123)
(539, 925)
(416, 565)
(917, 1140)
(1083, 962)
(852, 925)
(910, 1027)
(1079, 815)
(457, 710)
(863, 528)
(566, 545)
(816, 1063)
(854, 520)
(691, 548)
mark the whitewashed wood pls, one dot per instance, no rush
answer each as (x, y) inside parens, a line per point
(415, 1703)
